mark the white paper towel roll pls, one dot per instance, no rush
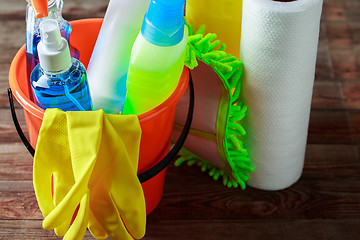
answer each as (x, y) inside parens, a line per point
(278, 47)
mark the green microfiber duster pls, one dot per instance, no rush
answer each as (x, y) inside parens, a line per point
(232, 163)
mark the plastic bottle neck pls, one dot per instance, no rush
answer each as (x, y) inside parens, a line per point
(163, 23)
(50, 73)
(56, 5)
(51, 3)
(55, 10)
(158, 37)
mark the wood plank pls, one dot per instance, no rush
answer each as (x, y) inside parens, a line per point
(327, 95)
(214, 229)
(353, 10)
(335, 11)
(330, 127)
(12, 37)
(344, 63)
(28, 229)
(331, 162)
(15, 163)
(7, 129)
(355, 31)
(355, 122)
(195, 196)
(351, 93)
(17, 186)
(338, 30)
(324, 71)
(210, 229)
(19, 205)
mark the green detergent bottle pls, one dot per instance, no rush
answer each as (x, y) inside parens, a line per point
(157, 57)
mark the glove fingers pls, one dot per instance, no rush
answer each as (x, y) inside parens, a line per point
(95, 227)
(42, 187)
(107, 215)
(78, 228)
(62, 182)
(82, 162)
(66, 207)
(126, 191)
(131, 205)
(53, 134)
(123, 232)
(61, 230)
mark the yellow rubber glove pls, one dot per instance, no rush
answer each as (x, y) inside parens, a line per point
(92, 158)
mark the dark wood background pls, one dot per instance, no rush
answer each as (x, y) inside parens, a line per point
(323, 204)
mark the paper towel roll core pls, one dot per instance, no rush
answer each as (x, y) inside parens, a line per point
(278, 48)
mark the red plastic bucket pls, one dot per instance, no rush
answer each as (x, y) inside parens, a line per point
(156, 124)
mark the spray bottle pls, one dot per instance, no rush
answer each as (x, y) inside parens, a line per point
(58, 81)
(108, 66)
(36, 12)
(157, 57)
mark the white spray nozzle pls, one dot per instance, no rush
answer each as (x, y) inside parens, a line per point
(54, 53)
(50, 35)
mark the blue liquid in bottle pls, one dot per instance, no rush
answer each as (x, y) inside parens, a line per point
(68, 91)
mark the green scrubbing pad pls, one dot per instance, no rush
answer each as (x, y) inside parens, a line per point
(206, 48)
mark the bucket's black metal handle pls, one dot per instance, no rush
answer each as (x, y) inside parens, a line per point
(143, 177)
(17, 125)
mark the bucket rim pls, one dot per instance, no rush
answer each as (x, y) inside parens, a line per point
(29, 106)
(38, 112)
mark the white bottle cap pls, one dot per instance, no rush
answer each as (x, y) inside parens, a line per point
(53, 50)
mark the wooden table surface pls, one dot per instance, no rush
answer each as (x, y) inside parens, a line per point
(323, 204)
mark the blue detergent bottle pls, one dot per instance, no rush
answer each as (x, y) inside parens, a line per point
(33, 31)
(58, 81)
